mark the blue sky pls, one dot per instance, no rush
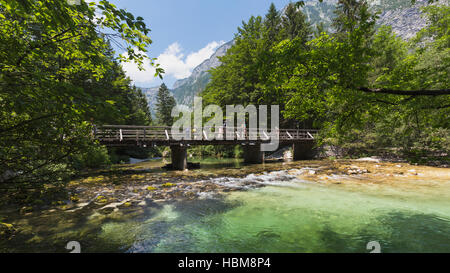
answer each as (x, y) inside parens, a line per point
(186, 32)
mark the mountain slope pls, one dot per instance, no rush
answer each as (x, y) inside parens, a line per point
(184, 90)
(404, 18)
(151, 94)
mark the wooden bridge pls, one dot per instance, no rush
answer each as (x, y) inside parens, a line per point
(251, 140)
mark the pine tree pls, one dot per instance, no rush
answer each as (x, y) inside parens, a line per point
(319, 29)
(348, 13)
(295, 23)
(140, 111)
(165, 104)
(272, 23)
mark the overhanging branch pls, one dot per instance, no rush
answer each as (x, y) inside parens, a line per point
(407, 92)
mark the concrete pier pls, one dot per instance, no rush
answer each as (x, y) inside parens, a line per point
(253, 154)
(179, 157)
(303, 150)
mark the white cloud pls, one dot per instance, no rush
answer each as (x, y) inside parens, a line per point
(173, 61)
(196, 58)
(139, 76)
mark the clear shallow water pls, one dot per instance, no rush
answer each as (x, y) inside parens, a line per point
(297, 216)
(287, 215)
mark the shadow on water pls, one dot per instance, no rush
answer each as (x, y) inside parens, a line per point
(396, 232)
(413, 233)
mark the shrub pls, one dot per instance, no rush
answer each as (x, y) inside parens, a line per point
(238, 151)
(94, 157)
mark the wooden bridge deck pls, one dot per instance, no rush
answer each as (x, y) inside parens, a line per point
(127, 135)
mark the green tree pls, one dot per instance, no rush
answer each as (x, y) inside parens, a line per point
(348, 14)
(295, 23)
(367, 91)
(364, 88)
(164, 105)
(246, 74)
(54, 57)
(140, 111)
(272, 23)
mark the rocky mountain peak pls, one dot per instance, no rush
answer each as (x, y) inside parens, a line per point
(205, 66)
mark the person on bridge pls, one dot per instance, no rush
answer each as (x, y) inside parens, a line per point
(225, 129)
(220, 135)
(243, 131)
(187, 132)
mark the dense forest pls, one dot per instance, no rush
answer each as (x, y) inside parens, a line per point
(367, 90)
(59, 76)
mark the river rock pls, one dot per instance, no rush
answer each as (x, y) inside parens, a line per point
(106, 211)
(287, 155)
(6, 230)
(369, 159)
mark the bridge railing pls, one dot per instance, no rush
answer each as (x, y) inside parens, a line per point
(127, 133)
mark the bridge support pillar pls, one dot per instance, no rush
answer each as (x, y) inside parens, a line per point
(179, 157)
(253, 154)
(303, 150)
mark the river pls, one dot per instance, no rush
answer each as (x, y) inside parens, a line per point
(295, 207)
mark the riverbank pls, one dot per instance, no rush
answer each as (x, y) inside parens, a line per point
(132, 184)
(137, 184)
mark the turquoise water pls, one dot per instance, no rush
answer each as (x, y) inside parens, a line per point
(296, 217)
(288, 214)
